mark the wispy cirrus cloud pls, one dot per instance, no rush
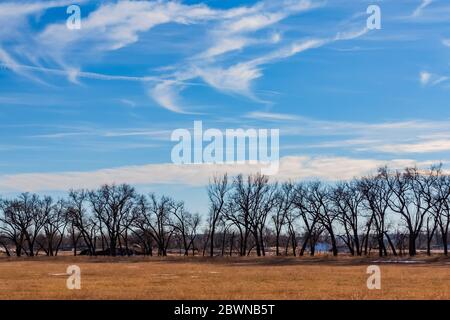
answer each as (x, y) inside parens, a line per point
(116, 25)
(14, 21)
(238, 78)
(234, 31)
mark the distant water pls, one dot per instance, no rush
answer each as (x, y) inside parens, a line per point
(322, 247)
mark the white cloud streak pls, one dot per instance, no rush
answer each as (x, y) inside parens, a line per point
(166, 95)
(73, 74)
(16, 9)
(401, 137)
(270, 116)
(291, 168)
(429, 79)
(425, 146)
(418, 11)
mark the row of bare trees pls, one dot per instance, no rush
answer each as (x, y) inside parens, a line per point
(392, 212)
(111, 219)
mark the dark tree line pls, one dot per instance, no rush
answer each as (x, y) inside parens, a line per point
(391, 212)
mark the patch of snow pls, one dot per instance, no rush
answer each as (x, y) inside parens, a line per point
(398, 261)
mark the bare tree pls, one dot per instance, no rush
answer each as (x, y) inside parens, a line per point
(23, 219)
(411, 198)
(54, 228)
(81, 223)
(185, 224)
(193, 223)
(441, 207)
(309, 216)
(347, 200)
(238, 211)
(142, 224)
(284, 203)
(317, 204)
(254, 199)
(112, 205)
(377, 195)
(12, 226)
(264, 207)
(291, 219)
(158, 219)
(217, 193)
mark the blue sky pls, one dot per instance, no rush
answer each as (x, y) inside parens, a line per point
(97, 105)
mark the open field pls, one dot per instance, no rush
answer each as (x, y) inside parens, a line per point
(224, 278)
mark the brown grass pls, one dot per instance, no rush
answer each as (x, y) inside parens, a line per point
(222, 278)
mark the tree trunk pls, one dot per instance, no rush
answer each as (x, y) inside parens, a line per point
(258, 248)
(394, 252)
(211, 250)
(412, 245)
(112, 246)
(223, 242)
(445, 243)
(305, 243)
(277, 243)
(333, 244)
(231, 244)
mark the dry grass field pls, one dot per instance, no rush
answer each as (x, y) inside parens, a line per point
(223, 278)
